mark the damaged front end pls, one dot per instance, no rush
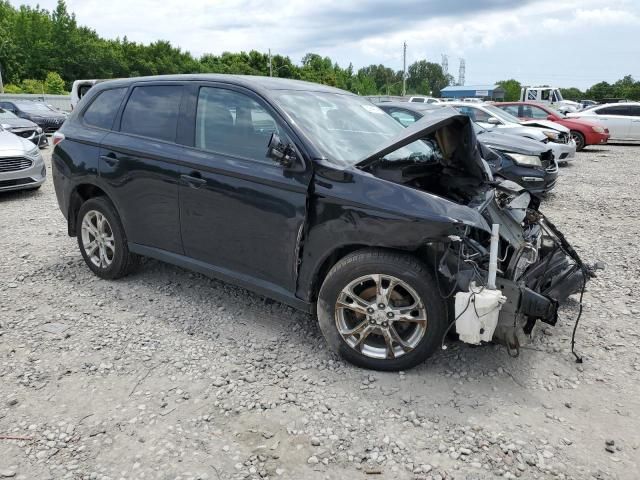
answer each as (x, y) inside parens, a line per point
(536, 269)
(504, 273)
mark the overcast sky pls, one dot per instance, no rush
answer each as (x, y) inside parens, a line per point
(561, 42)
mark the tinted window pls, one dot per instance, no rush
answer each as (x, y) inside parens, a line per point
(7, 106)
(617, 110)
(232, 123)
(535, 112)
(418, 100)
(633, 110)
(153, 112)
(512, 109)
(102, 111)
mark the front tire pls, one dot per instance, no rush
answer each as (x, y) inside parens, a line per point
(579, 139)
(381, 310)
(102, 240)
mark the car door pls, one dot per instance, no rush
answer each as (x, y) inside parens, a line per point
(241, 213)
(634, 113)
(615, 119)
(139, 165)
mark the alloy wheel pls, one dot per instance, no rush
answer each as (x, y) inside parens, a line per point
(380, 316)
(97, 239)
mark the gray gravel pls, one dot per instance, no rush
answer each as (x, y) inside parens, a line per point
(170, 375)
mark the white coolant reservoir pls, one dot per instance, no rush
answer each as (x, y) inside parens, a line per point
(477, 313)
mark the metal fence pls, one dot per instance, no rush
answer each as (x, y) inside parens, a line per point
(63, 102)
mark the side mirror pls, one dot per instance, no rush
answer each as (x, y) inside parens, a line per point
(493, 121)
(283, 154)
(551, 118)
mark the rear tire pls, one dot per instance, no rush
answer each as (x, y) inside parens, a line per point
(102, 240)
(368, 313)
(579, 139)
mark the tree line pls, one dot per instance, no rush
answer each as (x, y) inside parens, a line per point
(625, 88)
(44, 51)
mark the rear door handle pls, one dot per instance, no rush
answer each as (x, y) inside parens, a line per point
(193, 182)
(110, 160)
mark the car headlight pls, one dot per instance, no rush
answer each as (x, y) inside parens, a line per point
(6, 126)
(39, 130)
(528, 160)
(33, 153)
(597, 129)
(551, 134)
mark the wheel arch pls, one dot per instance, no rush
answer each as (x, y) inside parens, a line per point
(80, 194)
(338, 253)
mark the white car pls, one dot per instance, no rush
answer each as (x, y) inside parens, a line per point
(491, 117)
(622, 119)
(420, 99)
(21, 164)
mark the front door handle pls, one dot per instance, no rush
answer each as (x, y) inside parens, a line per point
(110, 160)
(193, 182)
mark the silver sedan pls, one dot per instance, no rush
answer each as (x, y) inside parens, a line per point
(21, 164)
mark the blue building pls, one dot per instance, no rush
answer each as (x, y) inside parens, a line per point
(484, 92)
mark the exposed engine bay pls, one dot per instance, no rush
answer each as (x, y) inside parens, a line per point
(498, 288)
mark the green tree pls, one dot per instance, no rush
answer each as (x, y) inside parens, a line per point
(572, 93)
(30, 85)
(54, 84)
(426, 78)
(511, 89)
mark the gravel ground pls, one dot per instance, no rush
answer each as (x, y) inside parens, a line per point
(170, 375)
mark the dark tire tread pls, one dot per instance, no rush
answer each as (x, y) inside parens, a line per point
(423, 284)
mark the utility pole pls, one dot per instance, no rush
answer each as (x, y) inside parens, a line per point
(270, 66)
(404, 69)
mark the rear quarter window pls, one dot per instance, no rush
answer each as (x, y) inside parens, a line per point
(102, 111)
(152, 111)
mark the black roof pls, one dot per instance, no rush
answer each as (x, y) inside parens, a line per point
(254, 82)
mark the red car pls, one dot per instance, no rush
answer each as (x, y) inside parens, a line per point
(584, 132)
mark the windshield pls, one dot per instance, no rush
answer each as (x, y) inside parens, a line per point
(6, 114)
(33, 107)
(501, 114)
(345, 128)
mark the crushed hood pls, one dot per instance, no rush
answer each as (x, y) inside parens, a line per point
(454, 133)
(506, 142)
(546, 124)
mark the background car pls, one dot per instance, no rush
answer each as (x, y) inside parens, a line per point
(420, 99)
(492, 118)
(37, 112)
(621, 119)
(23, 128)
(21, 164)
(527, 162)
(583, 131)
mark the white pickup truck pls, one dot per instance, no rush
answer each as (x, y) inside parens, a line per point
(550, 96)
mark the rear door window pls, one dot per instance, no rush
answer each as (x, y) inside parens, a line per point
(152, 111)
(617, 110)
(102, 111)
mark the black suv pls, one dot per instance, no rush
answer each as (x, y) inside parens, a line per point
(39, 113)
(315, 197)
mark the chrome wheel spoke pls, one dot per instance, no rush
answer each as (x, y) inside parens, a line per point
(363, 336)
(380, 316)
(98, 240)
(358, 329)
(383, 295)
(393, 334)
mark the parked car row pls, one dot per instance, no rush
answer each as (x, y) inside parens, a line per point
(24, 125)
(318, 198)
